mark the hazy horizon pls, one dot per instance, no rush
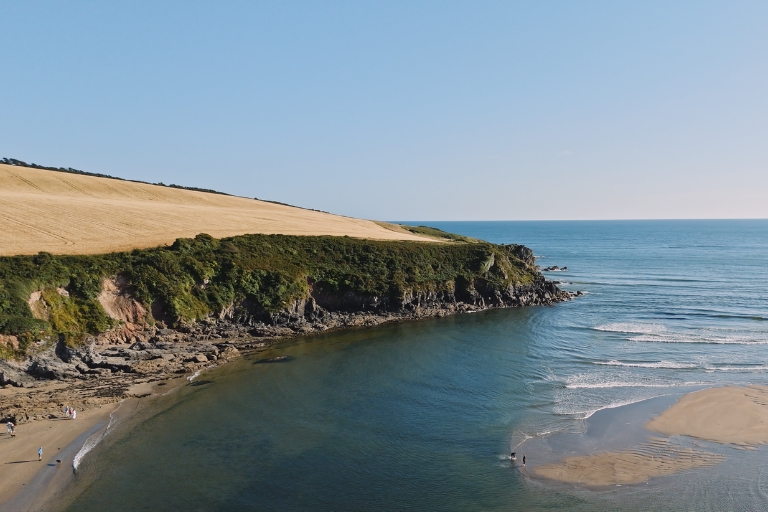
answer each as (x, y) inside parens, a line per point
(428, 110)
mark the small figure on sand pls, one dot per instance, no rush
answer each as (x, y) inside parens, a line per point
(66, 411)
(513, 456)
(8, 427)
(11, 429)
(40, 453)
(74, 413)
(523, 460)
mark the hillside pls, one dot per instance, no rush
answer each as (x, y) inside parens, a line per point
(61, 213)
(273, 281)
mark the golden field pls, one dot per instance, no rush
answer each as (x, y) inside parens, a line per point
(63, 213)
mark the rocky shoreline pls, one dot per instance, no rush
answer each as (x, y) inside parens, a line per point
(115, 365)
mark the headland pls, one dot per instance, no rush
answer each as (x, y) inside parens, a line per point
(89, 328)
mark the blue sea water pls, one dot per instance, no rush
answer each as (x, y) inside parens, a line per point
(422, 415)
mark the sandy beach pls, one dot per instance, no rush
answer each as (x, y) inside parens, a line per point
(25, 482)
(18, 455)
(725, 415)
(728, 415)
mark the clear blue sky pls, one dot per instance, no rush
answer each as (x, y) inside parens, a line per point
(403, 110)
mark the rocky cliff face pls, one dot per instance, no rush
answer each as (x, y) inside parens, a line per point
(108, 366)
(161, 351)
(100, 324)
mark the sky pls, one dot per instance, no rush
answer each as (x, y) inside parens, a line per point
(394, 110)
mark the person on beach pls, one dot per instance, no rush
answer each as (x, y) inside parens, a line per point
(74, 414)
(66, 411)
(13, 429)
(8, 427)
(40, 453)
(514, 456)
(523, 460)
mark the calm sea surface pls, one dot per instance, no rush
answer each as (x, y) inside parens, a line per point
(421, 416)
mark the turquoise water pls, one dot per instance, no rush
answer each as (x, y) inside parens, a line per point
(422, 416)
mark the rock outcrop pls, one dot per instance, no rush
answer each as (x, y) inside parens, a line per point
(161, 351)
(106, 366)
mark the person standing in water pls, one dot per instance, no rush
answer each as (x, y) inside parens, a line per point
(523, 460)
(40, 453)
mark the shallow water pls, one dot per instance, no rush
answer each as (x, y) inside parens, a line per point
(422, 415)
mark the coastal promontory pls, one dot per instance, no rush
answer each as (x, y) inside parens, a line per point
(107, 320)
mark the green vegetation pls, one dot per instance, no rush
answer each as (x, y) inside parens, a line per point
(195, 278)
(437, 233)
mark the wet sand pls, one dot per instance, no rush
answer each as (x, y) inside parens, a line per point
(656, 458)
(18, 455)
(29, 484)
(726, 415)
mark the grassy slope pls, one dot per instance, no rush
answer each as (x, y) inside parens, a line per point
(198, 277)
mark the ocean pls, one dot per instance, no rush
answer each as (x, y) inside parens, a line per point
(423, 415)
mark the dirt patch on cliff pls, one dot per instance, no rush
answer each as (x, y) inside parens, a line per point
(38, 306)
(119, 304)
(9, 340)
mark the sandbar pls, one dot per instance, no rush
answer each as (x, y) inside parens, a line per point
(656, 458)
(726, 415)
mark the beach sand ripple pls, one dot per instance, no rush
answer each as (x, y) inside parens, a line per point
(726, 415)
(653, 459)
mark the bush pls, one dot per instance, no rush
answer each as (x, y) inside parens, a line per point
(197, 277)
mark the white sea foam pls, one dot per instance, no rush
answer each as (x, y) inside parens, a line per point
(736, 368)
(582, 414)
(617, 384)
(525, 438)
(195, 375)
(703, 339)
(661, 364)
(632, 327)
(600, 382)
(613, 405)
(93, 440)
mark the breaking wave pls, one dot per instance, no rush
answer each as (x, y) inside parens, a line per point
(93, 441)
(661, 364)
(624, 384)
(632, 328)
(704, 339)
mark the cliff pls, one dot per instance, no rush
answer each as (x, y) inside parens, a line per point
(156, 312)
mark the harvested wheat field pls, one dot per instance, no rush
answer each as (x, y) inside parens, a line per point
(63, 213)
